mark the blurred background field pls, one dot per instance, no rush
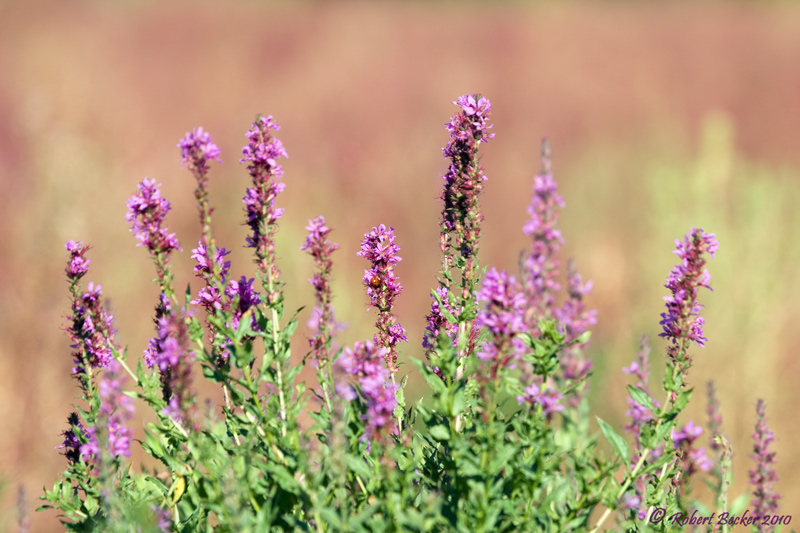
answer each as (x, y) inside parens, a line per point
(661, 116)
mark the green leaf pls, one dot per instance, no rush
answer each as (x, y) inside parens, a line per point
(440, 433)
(618, 443)
(642, 398)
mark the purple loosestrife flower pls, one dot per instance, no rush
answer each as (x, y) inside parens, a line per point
(198, 150)
(90, 330)
(365, 363)
(460, 225)
(682, 321)
(78, 265)
(174, 359)
(379, 248)
(501, 314)
(146, 212)
(691, 459)
(548, 398)
(639, 416)
(763, 477)
(242, 294)
(72, 441)
(321, 248)
(539, 266)
(110, 432)
(438, 322)
(262, 154)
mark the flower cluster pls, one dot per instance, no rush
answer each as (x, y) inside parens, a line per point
(171, 355)
(242, 294)
(322, 320)
(639, 415)
(262, 154)
(379, 248)
(501, 314)
(90, 330)
(682, 321)
(365, 363)
(548, 399)
(763, 477)
(78, 265)
(146, 212)
(72, 440)
(116, 409)
(438, 322)
(209, 296)
(198, 150)
(539, 266)
(464, 178)
(693, 459)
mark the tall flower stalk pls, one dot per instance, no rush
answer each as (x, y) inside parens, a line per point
(383, 287)
(460, 225)
(261, 155)
(763, 477)
(322, 318)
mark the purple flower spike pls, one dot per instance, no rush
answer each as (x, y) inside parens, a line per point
(437, 321)
(146, 212)
(262, 154)
(116, 409)
(204, 268)
(682, 321)
(242, 292)
(78, 265)
(549, 399)
(691, 459)
(365, 363)
(763, 477)
(379, 248)
(501, 313)
(198, 150)
(171, 354)
(539, 266)
(322, 319)
(90, 331)
(72, 441)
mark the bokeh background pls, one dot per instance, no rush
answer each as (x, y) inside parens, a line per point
(661, 116)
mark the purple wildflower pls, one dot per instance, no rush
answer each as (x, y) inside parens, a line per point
(241, 292)
(171, 354)
(501, 313)
(689, 459)
(198, 150)
(163, 520)
(72, 440)
(682, 321)
(549, 399)
(438, 322)
(322, 320)
(379, 248)
(205, 267)
(639, 415)
(78, 265)
(539, 266)
(365, 363)
(461, 220)
(90, 330)
(262, 154)
(110, 432)
(763, 477)
(146, 212)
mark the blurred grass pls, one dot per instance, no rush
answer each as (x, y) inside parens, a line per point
(661, 117)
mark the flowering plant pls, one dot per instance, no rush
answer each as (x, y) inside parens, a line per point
(502, 441)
